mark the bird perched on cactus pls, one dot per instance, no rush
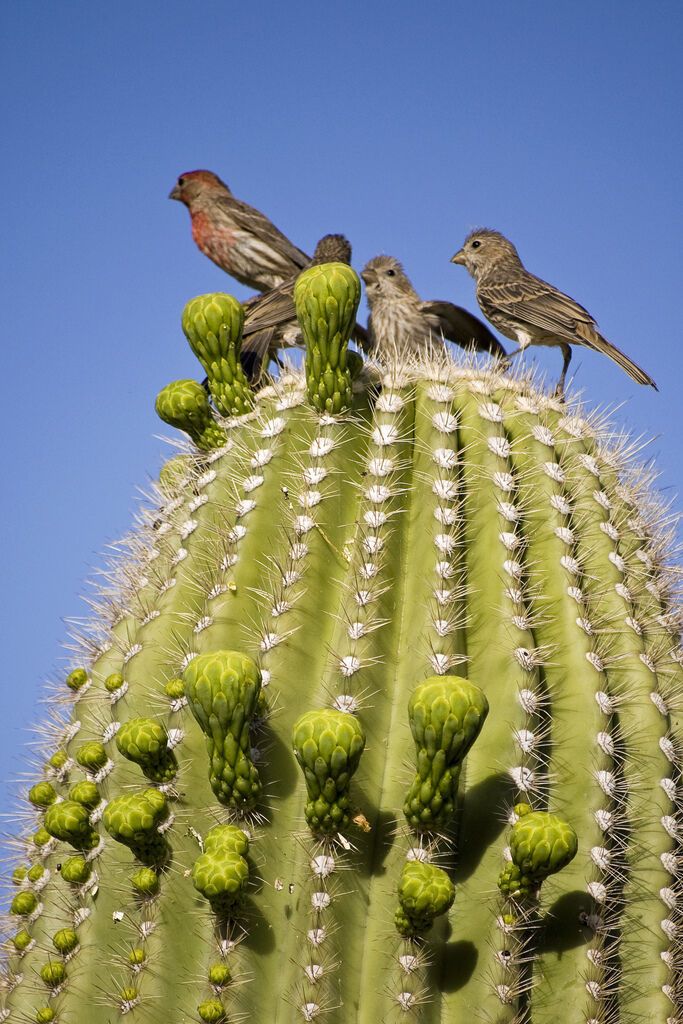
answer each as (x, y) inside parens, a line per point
(529, 310)
(401, 322)
(239, 239)
(270, 320)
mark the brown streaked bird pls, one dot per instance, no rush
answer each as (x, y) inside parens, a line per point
(400, 321)
(270, 320)
(531, 311)
(237, 237)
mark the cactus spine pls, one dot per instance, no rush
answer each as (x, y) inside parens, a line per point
(455, 555)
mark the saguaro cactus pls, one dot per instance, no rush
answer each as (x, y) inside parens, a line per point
(233, 820)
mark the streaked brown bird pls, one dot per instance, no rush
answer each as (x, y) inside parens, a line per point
(400, 321)
(237, 237)
(270, 320)
(531, 311)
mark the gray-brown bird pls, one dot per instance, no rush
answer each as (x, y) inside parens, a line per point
(237, 237)
(270, 320)
(400, 321)
(531, 311)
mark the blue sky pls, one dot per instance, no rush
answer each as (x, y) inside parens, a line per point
(402, 125)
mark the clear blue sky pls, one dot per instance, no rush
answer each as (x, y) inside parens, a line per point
(401, 124)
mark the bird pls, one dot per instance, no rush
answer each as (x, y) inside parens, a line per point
(401, 322)
(529, 310)
(270, 320)
(239, 239)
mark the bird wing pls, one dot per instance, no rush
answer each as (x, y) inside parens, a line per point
(461, 327)
(255, 353)
(531, 301)
(272, 309)
(250, 220)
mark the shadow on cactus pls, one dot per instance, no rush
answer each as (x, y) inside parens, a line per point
(382, 721)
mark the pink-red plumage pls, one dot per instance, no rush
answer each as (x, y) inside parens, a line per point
(235, 236)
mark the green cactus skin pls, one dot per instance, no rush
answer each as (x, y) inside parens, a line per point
(184, 404)
(424, 893)
(462, 525)
(223, 690)
(213, 326)
(326, 299)
(328, 745)
(145, 742)
(446, 716)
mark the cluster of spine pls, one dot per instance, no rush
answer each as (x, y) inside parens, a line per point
(380, 718)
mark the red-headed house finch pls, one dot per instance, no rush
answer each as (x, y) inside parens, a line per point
(531, 311)
(238, 238)
(400, 321)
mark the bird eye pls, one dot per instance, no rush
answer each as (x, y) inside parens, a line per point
(181, 181)
(476, 243)
(391, 273)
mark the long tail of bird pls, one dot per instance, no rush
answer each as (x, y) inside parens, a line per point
(596, 341)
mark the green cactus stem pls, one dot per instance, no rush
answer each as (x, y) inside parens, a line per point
(213, 326)
(223, 690)
(326, 299)
(184, 404)
(328, 745)
(425, 892)
(446, 715)
(299, 587)
(145, 741)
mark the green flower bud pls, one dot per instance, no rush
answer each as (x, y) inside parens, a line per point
(134, 820)
(175, 689)
(326, 299)
(42, 794)
(137, 957)
(328, 745)
(145, 883)
(92, 756)
(211, 1012)
(226, 837)
(65, 941)
(76, 870)
(86, 793)
(41, 838)
(213, 326)
(77, 679)
(446, 715)
(22, 940)
(58, 760)
(424, 893)
(145, 741)
(540, 844)
(53, 973)
(222, 877)
(35, 873)
(24, 903)
(219, 975)
(113, 682)
(128, 995)
(184, 404)
(19, 874)
(45, 1015)
(222, 690)
(70, 822)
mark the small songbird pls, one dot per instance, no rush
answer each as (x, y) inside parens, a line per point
(531, 311)
(400, 321)
(238, 238)
(270, 320)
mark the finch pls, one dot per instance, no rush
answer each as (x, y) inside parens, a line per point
(531, 311)
(270, 320)
(400, 321)
(238, 238)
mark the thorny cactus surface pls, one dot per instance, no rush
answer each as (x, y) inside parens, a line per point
(451, 604)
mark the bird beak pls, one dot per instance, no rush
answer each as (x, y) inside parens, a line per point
(174, 193)
(459, 257)
(368, 278)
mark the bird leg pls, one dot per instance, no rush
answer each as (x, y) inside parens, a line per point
(505, 363)
(567, 358)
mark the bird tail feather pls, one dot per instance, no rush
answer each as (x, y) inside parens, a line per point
(596, 341)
